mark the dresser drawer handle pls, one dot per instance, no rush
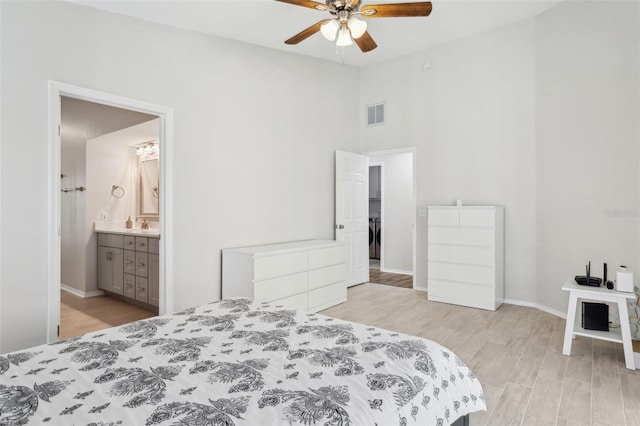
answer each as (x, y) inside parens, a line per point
(141, 264)
(129, 285)
(140, 290)
(128, 261)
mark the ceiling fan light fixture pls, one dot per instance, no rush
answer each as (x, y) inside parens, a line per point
(329, 29)
(357, 27)
(344, 37)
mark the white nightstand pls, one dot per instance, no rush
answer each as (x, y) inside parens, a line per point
(574, 328)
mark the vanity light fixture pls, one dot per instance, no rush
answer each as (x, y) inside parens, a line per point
(147, 149)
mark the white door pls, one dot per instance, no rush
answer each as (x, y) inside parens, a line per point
(352, 213)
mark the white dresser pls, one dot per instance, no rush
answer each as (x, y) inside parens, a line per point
(466, 255)
(306, 275)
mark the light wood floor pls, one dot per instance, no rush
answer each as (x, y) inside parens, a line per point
(79, 316)
(517, 354)
(387, 278)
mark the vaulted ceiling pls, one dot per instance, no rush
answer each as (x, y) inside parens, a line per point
(268, 23)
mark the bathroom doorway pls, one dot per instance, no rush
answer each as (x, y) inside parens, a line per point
(103, 150)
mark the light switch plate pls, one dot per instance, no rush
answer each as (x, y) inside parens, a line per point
(422, 213)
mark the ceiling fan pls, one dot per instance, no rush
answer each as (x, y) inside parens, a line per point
(345, 28)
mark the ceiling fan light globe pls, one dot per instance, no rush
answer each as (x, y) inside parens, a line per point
(344, 37)
(357, 27)
(329, 29)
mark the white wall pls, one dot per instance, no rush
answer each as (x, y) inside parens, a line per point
(541, 117)
(471, 119)
(397, 211)
(247, 135)
(587, 141)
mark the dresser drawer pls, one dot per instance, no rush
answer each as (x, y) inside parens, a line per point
(323, 297)
(130, 262)
(278, 288)
(142, 244)
(462, 254)
(111, 240)
(325, 276)
(298, 301)
(462, 236)
(142, 289)
(478, 217)
(267, 267)
(142, 264)
(130, 286)
(481, 275)
(327, 257)
(462, 294)
(129, 242)
(154, 245)
(444, 217)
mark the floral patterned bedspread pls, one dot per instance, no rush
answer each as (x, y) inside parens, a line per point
(236, 362)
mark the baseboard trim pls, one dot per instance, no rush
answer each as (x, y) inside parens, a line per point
(80, 293)
(420, 288)
(537, 306)
(396, 271)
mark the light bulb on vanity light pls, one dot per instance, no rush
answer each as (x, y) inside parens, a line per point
(344, 37)
(329, 29)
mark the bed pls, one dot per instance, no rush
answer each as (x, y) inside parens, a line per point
(238, 362)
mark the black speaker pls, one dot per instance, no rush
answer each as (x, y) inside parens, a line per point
(595, 316)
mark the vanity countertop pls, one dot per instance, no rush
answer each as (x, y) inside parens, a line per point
(106, 229)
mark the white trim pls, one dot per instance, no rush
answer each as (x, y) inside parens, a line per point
(80, 293)
(414, 203)
(636, 358)
(396, 271)
(1, 351)
(537, 306)
(420, 288)
(165, 115)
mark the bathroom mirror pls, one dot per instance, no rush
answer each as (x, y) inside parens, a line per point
(149, 188)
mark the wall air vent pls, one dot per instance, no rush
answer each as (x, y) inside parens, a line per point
(375, 114)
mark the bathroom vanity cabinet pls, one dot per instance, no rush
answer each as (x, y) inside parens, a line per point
(129, 266)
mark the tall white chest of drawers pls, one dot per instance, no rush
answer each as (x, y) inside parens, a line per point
(466, 255)
(305, 275)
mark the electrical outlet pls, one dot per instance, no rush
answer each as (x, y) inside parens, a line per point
(422, 213)
(103, 216)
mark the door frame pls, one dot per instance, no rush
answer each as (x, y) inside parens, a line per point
(165, 115)
(414, 203)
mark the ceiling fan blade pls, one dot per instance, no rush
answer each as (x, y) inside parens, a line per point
(304, 34)
(307, 3)
(395, 10)
(354, 3)
(365, 42)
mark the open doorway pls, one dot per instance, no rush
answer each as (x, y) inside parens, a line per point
(101, 170)
(392, 217)
(92, 170)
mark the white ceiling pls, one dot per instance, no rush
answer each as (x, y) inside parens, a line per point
(82, 120)
(268, 23)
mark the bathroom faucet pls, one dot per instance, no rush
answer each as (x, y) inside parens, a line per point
(144, 224)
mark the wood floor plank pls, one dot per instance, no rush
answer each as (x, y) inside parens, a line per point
(511, 406)
(544, 402)
(79, 316)
(575, 405)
